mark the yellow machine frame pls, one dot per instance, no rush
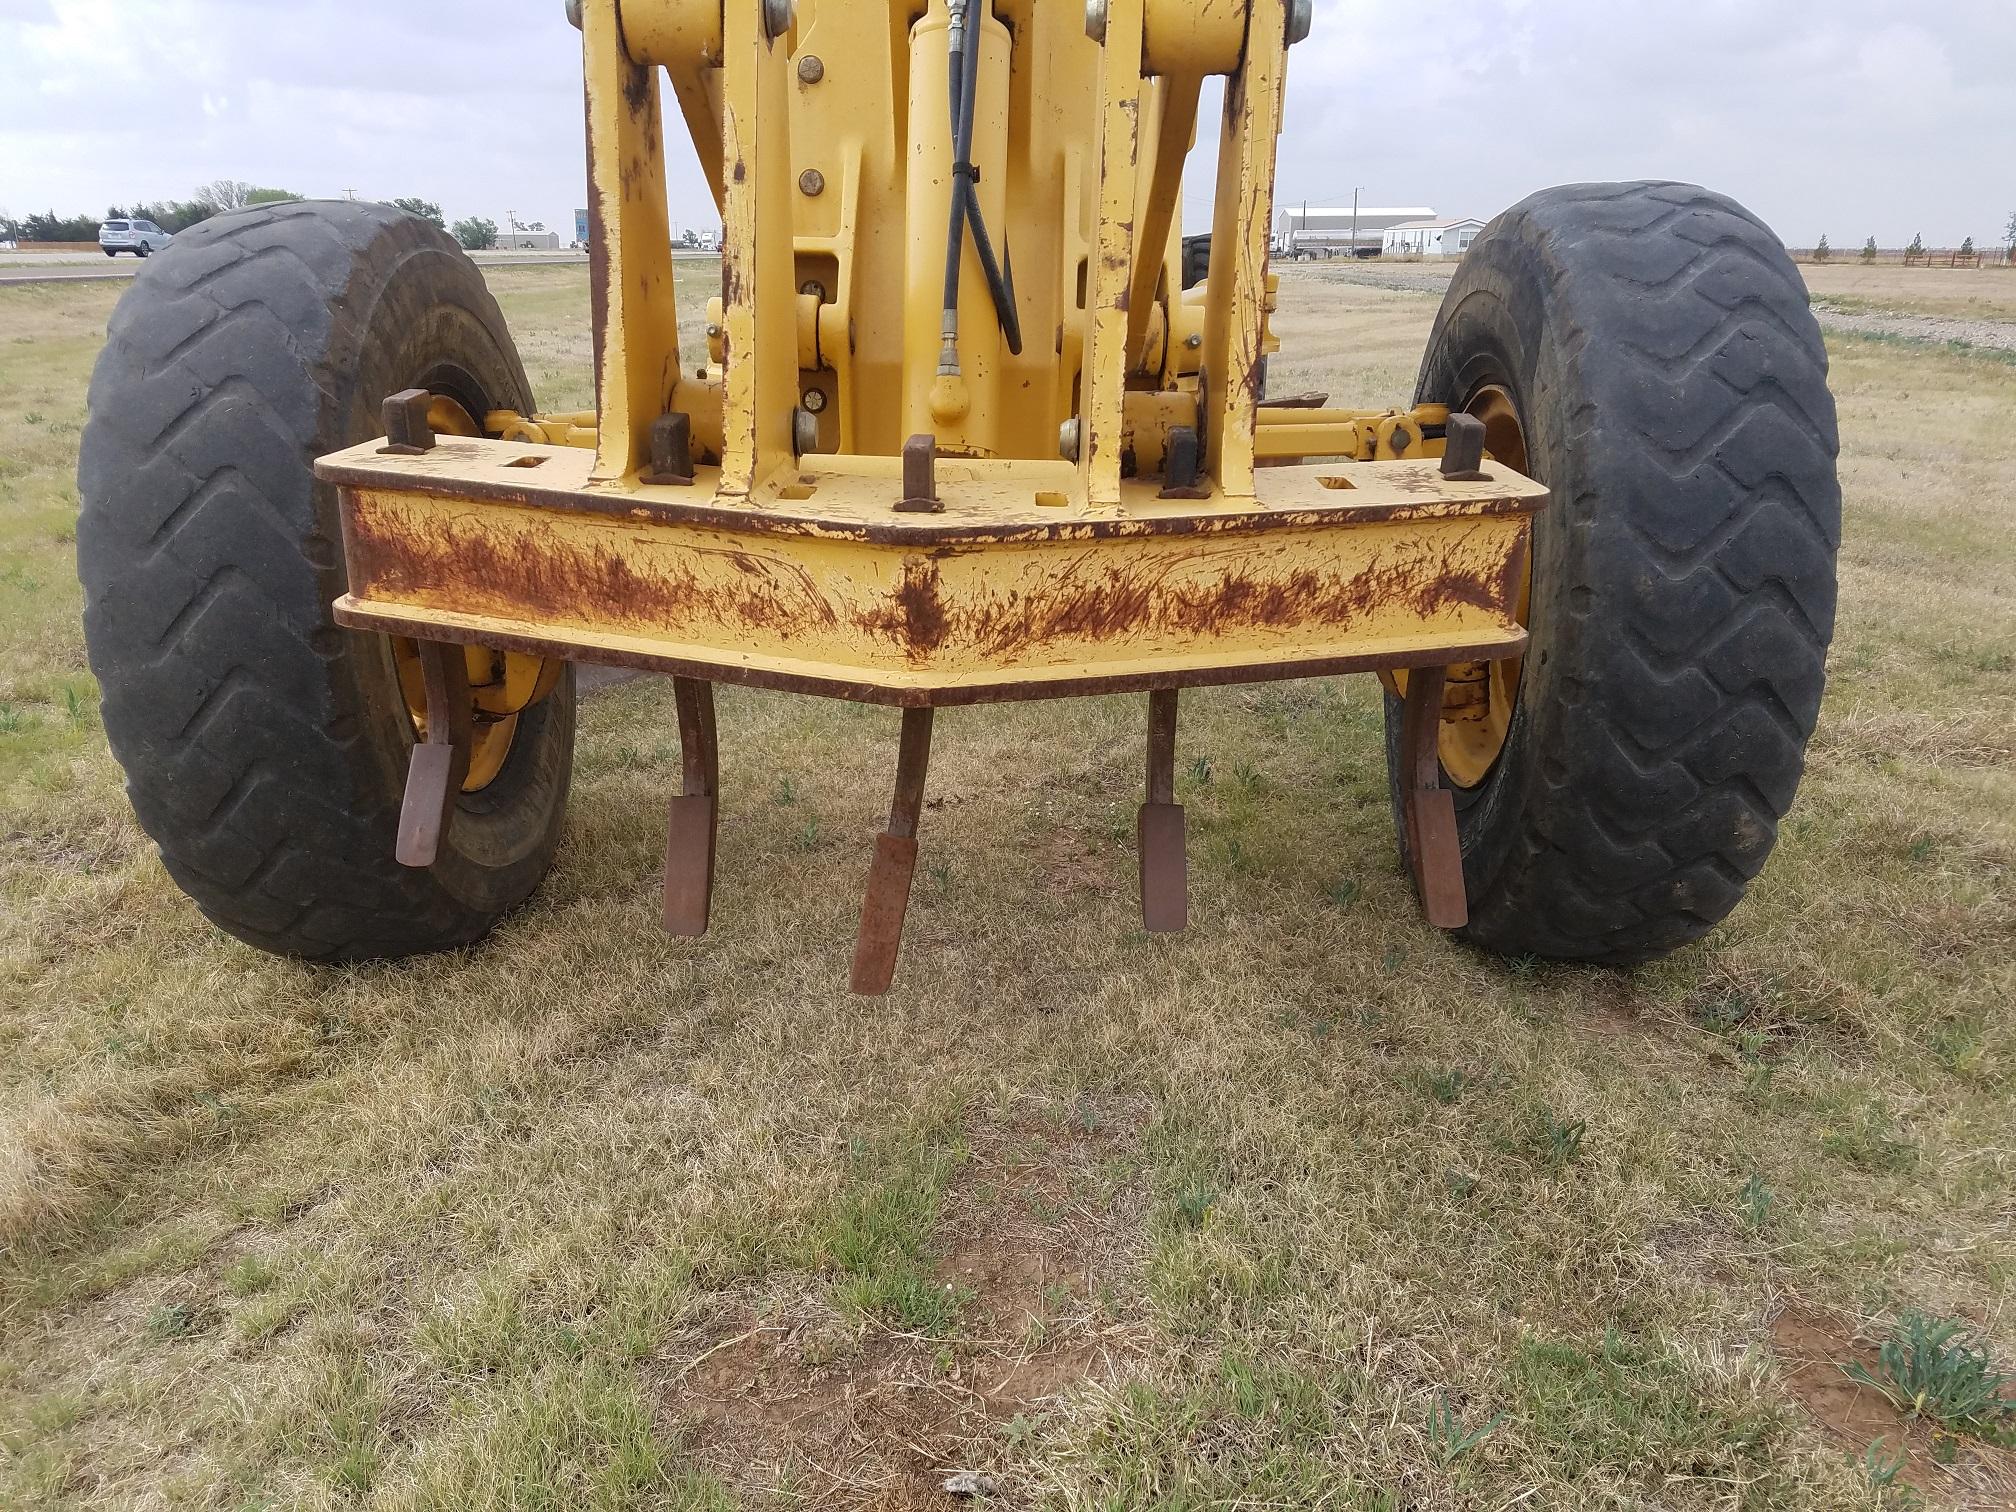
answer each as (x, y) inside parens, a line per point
(847, 494)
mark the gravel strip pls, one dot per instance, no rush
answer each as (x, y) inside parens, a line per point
(1998, 334)
(1937, 330)
(1405, 278)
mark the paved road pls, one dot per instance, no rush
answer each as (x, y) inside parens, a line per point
(86, 267)
(12, 272)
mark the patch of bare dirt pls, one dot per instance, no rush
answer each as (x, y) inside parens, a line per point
(1812, 1346)
(1039, 1233)
(1072, 865)
(1618, 1019)
(1612, 1009)
(1697, 1246)
(66, 848)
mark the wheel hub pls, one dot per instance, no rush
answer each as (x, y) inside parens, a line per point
(1479, 697)
(502, 684)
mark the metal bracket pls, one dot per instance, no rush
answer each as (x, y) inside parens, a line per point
(920, 477)
(1183, 466)
(671, 450)
(887, 900)
(695, 816)
(440, 763)
(1428, 809)
(1463, 450)
(404, 417)
(1159, 828)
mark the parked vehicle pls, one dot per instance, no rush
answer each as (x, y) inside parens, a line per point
(140, 237)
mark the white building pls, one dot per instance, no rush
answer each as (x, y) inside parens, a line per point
(1307, 231)
(1429, 238)
(526, 240)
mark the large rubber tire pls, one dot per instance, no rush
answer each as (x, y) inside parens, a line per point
(1197, 268)
(1196, 259)
(1672, 387)
(265, 749)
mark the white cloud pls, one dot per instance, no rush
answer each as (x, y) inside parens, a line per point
(1846, 116)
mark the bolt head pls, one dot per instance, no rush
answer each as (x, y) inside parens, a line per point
(1068, 439)
(811, 183)
(574, 14)
(804, 432)
(813, 287)
(713, 332)
(1095, 20)
(1301, 13)
(1193, 341)
(777, 17)
(810, 69)
(814, 400)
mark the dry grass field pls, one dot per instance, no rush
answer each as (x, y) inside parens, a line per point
(1310, 1207)
(1981, 293)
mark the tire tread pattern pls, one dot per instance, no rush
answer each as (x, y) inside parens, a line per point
(208, 556)
(1690, 657)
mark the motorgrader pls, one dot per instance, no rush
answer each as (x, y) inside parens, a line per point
(962, 430)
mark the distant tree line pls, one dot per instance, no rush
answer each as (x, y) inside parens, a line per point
(476, 233)
(170, 215)
(1822, 250)
(176, 215)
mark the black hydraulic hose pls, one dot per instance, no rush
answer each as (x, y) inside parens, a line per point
(1001, 285)
(969, 110)
(955, 237)
(964, 73)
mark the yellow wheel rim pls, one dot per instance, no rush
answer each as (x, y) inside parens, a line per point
(1479, 697)
(502, 684)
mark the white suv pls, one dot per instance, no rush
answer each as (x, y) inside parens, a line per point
(140, 237)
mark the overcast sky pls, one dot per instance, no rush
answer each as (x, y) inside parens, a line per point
(1852, 117)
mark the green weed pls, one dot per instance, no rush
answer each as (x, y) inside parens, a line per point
(1722, 1013)
(1193, 1206)
(1447, 1435)
(1757, 1201)
(1882, 1472)
(1445, 1086)
(250, 1275)
(171, 1320)
(1870, 1144)
(1935, 1368)
(1554, 1143)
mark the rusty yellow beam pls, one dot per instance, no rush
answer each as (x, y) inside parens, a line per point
(1114, 250)
(1234, 316)
(1158, 217)
(759, 294)
(684, 37)
(629, 246)
(1015, 590)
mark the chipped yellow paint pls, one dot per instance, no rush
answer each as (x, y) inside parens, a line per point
(630, 245)
(829, 149)
(821, 588)
(1239, 238)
